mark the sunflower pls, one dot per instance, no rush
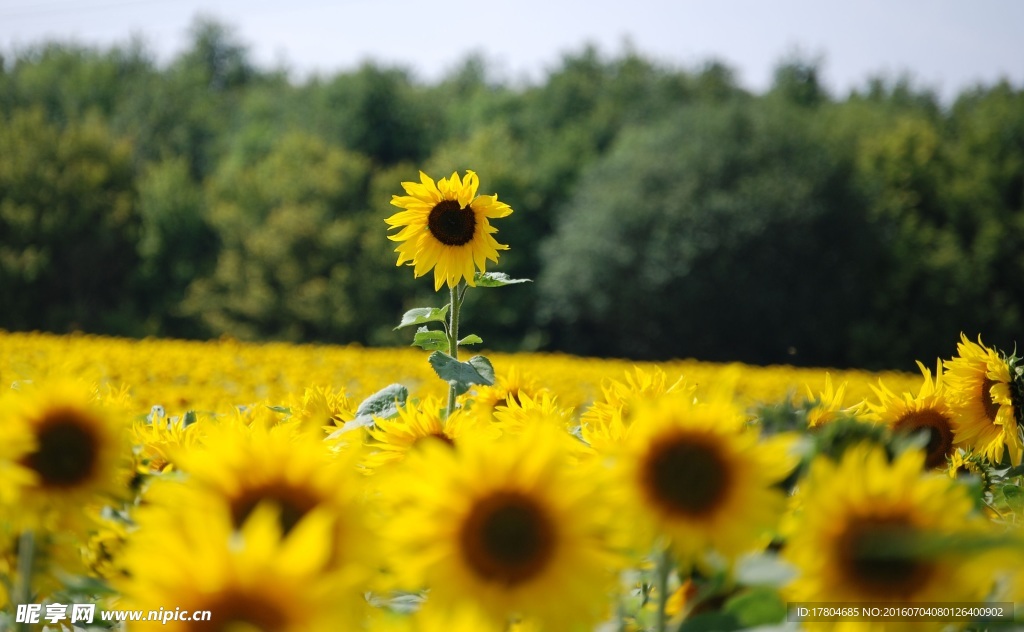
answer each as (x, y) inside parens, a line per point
(526, 411)
(416, 424)
(508, 529)
(445, 227)
(240, 469)
(158, 439)
(321, 409)
(603, 424)
(66, 454)
(508, 388)
(927, 411)
(253, 578)
(697, 474)
(828, 404)
(853, 515)
(981, 401)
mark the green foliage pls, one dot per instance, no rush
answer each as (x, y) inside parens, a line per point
(68, 225)
(383, 404)
(421, 315)
(377, 112)
(288, 225)
(175, 244)
(663, 211)
(462, 375)
(720, 232)
(497, 279)
(430, 340)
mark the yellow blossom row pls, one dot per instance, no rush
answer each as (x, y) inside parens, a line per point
(523, 509)
(217, 376)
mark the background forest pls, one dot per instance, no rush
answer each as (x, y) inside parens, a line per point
(663, 212)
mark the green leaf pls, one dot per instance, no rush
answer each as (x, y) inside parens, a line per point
(496, 279)
(471, 339)
(1014, 471)
(1014, 497)
(383, 404)
(430, 340)
(758, 606)
(422, 315)
(711, 622)
(284, 410)
(82, 585)
(190, 418)
(476, 370)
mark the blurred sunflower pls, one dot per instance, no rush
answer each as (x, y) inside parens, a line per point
(829, 404)
(850, 539)
(980, 399)
(418, 423)
(507, 389)
(508, 529)
(240, 469)
(322, 409)
(62, 454)
(253, 578)
(525, 412)
(927, 411)
(445, 227)
(429, 619)
(697, 474)
(604, 423)
(157, 439)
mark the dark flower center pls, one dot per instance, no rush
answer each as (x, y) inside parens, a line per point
(940, 435)
(68, 451)
(991, 408)
(686, 476)
(451, 224)
(435, 436)
(868, 553)
(234, 608)
(293, 503)
(507, 538)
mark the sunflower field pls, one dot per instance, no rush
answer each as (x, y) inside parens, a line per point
(170, 485)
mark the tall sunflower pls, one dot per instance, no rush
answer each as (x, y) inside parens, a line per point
(927, 411)
(446, 227)
(71, 455)
(853, 515)
(254, 578)
(698, 475)
(981, 401)
(508, 529)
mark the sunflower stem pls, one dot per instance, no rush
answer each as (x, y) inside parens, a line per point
(457, 294)
(663, 569)
(26, 561)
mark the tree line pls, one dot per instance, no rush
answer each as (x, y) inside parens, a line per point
(663, 212)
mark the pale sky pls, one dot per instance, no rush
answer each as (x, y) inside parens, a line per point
(944, 45)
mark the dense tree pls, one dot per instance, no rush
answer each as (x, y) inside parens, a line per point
(678, 213)
(68, 225)
(728, 232)
(289, 230)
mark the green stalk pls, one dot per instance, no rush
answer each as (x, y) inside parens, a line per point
(453, 337)
(26, 561)
(663, 570)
